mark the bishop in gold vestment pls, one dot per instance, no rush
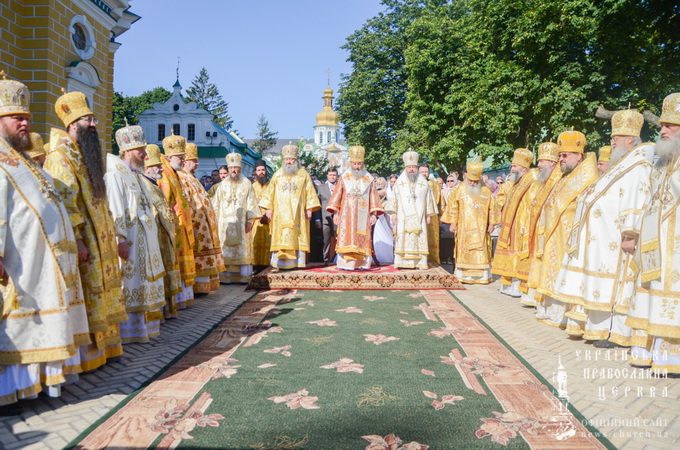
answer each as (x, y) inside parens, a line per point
(260, 234)
(165, 222)
(654, 313)
(469, 210)
(173, 162)
(433, 227)
(289, 202)
(356, 206)
(207, 252)
(44, 319)
(514, 232)
(236, 210)
(76, 163)
(549, 173)
(556, 220)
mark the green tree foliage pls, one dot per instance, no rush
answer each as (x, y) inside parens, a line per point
(492, 75)
(315, 166)
(371, 100)
(266, 138)
(207, 96)
(130, 107)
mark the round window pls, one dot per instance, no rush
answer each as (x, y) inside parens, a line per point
(78, 36)
(175, 107)
(82, 37)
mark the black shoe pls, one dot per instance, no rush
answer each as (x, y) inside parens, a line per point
(606, 344)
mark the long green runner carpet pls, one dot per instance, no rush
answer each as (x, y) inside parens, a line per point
(342, 370)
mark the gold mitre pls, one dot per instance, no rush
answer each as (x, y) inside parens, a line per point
(670, 111)
(474, 170)
(604, 153)
(72, 106)
(549, 151)
(15, 97)
(356, 153)
(130, 137)
(627, 123)
(153, 155)
(174, 145)
(523, 157)
(410, 158)
(572, 141)
(289, 151)
(192, 152)
(234, 159)
(38, 146)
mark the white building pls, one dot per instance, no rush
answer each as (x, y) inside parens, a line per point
(197, 126)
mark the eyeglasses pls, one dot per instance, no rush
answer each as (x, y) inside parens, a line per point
(89, 119)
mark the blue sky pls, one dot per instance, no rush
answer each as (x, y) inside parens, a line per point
(266, 56)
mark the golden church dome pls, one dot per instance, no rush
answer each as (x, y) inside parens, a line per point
(327, 117)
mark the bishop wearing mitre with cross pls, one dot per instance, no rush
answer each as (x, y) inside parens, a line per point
(356, 205)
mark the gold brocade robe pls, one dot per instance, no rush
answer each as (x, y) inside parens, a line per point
(184, 229)
(544, 191)
(165, 221)
(100, 274)
(499, 201)
(556, 221)
(289, 197)
(433, 226)
(261, 239)
(235, 205)
(207, 251)
(514, 233)
(472, 215)
(355, 201)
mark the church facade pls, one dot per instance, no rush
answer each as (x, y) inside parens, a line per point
(196, 125)
(51, 45)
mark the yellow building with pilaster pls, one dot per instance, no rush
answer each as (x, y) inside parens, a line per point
(70, 44)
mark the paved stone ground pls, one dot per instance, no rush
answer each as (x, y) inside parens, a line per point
(632, 413)
(49, 423)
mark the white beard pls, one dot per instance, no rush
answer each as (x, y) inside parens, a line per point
(357, 174)
(473, 190)
(544, 173)
(515, 176)
(617, 155)
(175, 164)
(667, 150)
(412, 177)
(290, 170)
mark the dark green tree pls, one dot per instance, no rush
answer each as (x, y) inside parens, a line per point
(266, 138)
(482, 76)
(130, 107)
(371, 98)
(207, 96)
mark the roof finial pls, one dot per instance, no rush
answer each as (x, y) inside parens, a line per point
(178, 58)
(328, 72)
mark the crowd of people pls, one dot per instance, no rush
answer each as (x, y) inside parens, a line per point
(97, 250)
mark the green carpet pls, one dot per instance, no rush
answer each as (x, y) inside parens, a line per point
(346, 369)
(392, 384)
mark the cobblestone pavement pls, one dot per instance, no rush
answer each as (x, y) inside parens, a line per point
(633, 413)
(48, 423)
